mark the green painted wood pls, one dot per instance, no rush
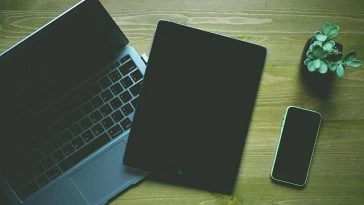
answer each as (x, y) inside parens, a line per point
(283, 26)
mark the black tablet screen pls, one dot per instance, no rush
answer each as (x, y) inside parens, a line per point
(195, 106)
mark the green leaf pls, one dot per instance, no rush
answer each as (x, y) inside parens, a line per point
(311, 47)
(309, 54)
(317, 50)
(334, 31)
(324, 54)
(333, 66)
(311, 67)
(317, 32)
(354, 63)
(321, 37)
(349, 56)
(333, 43)
(307, 61)
(340, 71)
(317, 43)
(323, 67)
(326, 28)
(328, 46)
(317, 63)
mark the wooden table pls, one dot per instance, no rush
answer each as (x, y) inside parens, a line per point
(282, 26)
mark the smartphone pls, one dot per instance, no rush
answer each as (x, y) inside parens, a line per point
(296, 144)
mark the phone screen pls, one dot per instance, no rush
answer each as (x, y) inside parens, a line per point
(296, 145)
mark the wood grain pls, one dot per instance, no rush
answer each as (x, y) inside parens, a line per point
(283, 26)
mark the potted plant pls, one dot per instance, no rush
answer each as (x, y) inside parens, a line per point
(322, 59)
(323, 54)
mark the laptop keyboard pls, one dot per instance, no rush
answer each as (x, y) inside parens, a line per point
(105, 110)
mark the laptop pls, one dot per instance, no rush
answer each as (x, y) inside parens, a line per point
(193, 117)
(69, 92)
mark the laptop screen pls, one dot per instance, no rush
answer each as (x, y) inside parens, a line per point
(58, 56)
(47, 65)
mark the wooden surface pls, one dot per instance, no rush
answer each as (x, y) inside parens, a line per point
(282, 26)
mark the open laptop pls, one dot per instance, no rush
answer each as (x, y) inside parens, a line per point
(69, 91)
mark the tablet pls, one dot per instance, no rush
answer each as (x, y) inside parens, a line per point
(195, 106)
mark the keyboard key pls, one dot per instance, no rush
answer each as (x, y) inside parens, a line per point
(106, 109)
(76, 115)
(58, 156)
(84, 152)
(69, 119)
(96, 102)
(125, 96)
(126, 123)
(117, 116)
(32, 158)
(127, 109)
(114, 65)
(56, 129)
(53, 173)
(116, 89)
(94, 89)
(96, 116)
(75, 99)
(33, 171)
(32, 187)
(76, 129)
(45, 135)
(66, 136)
(124, 59)
(87, 136)
(126, 82)
(56, 143)
(23, 193)
(66, 122)
(114, 76)
(97, 129)
(115, 131)
(46, 149)
(134, 102)
(41, 180)
(68, 149)
(86, 108)
(107, 122)
(106, 95)
(86, 123)
(105, 82)
(116, 103)
(84, 94)
(136, 75)
(47, 162)
(127, 67)
(103, 72)
(78, 142)
(136, 89)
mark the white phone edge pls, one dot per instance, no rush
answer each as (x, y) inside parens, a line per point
(279, 141)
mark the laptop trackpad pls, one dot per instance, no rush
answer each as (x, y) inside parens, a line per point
(105, 176)
(60, 193)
